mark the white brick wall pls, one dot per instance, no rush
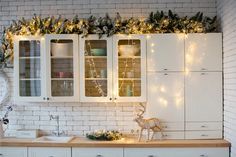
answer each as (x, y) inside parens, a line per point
(226, 12)
(79, 118)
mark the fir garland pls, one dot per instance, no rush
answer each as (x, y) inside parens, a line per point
(158, 22)
(105, 135)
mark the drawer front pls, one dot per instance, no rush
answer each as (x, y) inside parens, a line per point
(204, 126)
(13, 152)
(170, 135)
(206, 152)
(172, 126)
(49, 152)
(203, 134)
(176, 152)
(97, 152)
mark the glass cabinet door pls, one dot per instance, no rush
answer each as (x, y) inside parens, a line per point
(130, 65)
(96, 69)
(28, 71)
(62, 52)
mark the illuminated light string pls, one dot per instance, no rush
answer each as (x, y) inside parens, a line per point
(92, 68)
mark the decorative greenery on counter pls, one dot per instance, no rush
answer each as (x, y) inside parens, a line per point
(158, 22)
(104, 135)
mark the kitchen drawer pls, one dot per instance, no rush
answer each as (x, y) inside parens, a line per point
(170, 135)
(49, 152)
(97, 152)
(204, 126)
(172, 126)
(203, 134)
(13, 151)
(176, 152)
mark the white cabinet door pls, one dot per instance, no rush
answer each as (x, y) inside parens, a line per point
(29, 69)
(165, 52)
(49, 152)
(129, 65)
(166, 97)
(95, 69)
(203, 52)
(13, 152)
(62, 70)
(206, 152)
(97, 152)
(203, 96)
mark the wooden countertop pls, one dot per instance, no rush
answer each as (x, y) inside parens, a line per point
(128, 143)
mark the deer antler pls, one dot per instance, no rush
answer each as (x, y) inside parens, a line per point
(142, 110)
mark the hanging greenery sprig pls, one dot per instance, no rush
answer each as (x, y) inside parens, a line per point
(158, 22)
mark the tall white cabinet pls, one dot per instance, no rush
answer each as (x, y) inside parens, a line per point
(185, 84)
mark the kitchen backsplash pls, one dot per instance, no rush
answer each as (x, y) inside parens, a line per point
(75, 118)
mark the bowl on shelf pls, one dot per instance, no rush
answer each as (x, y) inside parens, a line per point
(128, 50)
(98, 52)
(62, 49)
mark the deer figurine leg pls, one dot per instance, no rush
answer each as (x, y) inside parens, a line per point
(140, 134)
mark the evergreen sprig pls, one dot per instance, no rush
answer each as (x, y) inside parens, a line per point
(158, 22)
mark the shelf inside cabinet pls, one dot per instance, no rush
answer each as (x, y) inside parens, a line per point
(61, 57)
(129, 57)
(127, 79)
(102, 57)
(62, 79)
(38, 57)
(29, 79)
(99, 79)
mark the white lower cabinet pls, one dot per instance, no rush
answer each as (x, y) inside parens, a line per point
(13, 151)
(97, 152)
(176, 152)
(48, 152)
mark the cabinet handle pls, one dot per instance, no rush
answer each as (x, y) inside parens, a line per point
(110, 98)
(165, 74)
(47, 98)
(115, 98)
(203, 69)
(204, 135)
(203, 73)
(165, 69)
(165, 126)
(203, 126)
(44, 98)
(202, 155)
(1, 154)
(150, 155)
(99, 155)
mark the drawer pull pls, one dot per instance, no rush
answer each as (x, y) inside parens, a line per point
(203, 126)
(51, 156)
(1, 154)
(204, 135)
(99, 155)
(150, 155)
(202, 155)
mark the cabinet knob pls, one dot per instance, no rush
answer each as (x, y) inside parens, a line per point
(110, 98)
(203, 126)
(47, 98)
(99, 155)
(44, 98)
(165, 126)
(115, 98)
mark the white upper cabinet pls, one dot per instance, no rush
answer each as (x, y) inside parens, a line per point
(203, 52)
(165, 52)
(166, 96)
(203, 96)
(62, 67)
(95, 69)
(29, 68)
(129, 65)
(46, 68)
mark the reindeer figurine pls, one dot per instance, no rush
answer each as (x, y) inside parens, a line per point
(149, 124)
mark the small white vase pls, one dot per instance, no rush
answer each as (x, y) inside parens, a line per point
(1, 129)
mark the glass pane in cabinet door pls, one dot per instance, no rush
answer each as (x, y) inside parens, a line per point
(95, 68)
(29, 68)
(129, 68)
(62, 73)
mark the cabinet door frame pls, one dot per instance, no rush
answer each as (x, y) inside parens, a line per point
(143, 44)
(74, 38)
(17, 96)
(109, 96)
